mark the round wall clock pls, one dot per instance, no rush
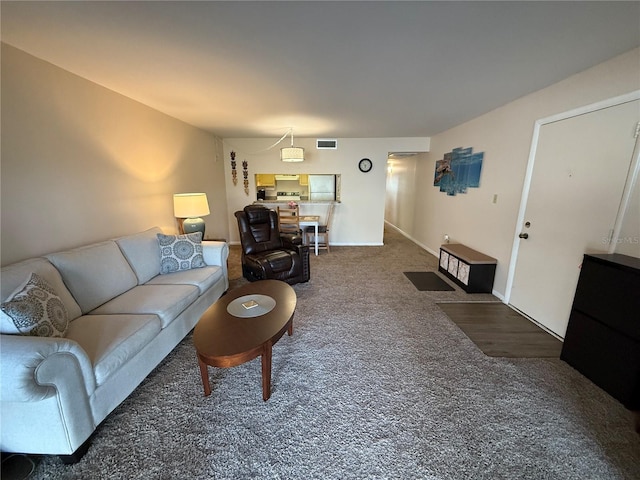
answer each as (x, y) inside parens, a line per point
(365, 165)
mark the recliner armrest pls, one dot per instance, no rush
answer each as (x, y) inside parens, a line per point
(290, 240)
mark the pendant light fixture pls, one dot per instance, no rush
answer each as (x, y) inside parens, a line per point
(292, 154)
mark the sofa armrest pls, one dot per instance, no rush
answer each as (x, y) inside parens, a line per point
(217, 253)
(47, 384)
(33, 368)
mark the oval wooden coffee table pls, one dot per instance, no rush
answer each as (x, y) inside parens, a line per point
(242, 325)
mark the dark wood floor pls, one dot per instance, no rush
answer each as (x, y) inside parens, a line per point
(500, 331)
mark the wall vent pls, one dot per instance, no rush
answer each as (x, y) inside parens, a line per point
(326, 144)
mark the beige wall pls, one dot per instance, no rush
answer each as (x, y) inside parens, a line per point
(81, 163)
(504, 135)
(359, 218)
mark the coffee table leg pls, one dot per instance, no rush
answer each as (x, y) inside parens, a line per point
(204, 373)
(290, 329)
(266, 370)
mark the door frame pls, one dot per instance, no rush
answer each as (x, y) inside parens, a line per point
(634, 172)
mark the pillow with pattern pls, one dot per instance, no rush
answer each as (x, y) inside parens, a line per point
(36, 309)
(180, 252)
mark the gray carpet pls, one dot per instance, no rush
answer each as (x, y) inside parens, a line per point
(375, 383)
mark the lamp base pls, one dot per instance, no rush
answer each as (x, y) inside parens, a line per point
(193, 225)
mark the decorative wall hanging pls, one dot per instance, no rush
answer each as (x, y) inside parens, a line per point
(245, 174)
(234, 173)
(458, 170)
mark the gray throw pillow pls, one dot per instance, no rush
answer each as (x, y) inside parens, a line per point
(36, 309)
(180, 252)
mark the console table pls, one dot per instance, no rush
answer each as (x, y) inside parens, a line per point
(472, 270)
(603, 335)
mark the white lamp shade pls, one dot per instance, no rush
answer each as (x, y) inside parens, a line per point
(189, 205)
(292, 154)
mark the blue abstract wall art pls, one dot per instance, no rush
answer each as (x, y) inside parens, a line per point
(458, 170)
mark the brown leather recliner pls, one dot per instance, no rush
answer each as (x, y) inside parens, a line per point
(268, 254)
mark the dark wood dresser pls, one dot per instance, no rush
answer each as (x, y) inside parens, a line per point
(603, 335)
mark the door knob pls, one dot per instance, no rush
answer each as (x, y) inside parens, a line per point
(524, 235)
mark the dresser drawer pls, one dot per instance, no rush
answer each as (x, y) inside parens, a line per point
(603, 293)
(606, 357)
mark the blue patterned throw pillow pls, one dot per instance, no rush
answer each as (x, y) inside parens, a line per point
(36, 310)
(180, 252)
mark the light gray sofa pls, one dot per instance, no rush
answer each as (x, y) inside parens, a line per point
(125, 317)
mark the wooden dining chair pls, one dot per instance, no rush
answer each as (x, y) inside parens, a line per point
(323, 232)
(289, 220)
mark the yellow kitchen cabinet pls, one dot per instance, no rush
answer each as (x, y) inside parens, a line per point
(266, 180)
(304, 180)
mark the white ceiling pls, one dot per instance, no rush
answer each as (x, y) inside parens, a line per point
(327, 69)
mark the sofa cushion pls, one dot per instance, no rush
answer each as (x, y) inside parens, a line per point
(165, 301)
(94, 274)
(112, 340)
(203, 278)
(36, 309)
(14, 276)
(180, 252)
(143, 253)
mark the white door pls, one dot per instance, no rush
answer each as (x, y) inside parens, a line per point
(580, 169)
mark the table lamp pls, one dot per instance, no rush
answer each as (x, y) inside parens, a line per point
(189, 207)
